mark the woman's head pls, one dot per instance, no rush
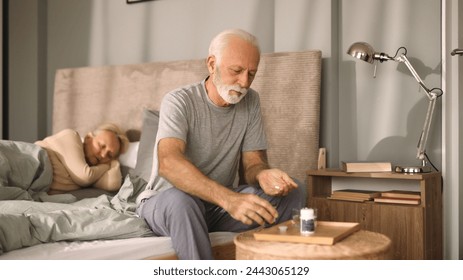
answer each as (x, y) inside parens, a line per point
(104, 144)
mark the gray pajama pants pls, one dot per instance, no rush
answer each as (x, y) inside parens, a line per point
(188, 219)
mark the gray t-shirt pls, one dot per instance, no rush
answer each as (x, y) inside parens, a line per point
(215, 136)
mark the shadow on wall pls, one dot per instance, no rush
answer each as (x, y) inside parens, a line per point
(392, 149)
(420, 67)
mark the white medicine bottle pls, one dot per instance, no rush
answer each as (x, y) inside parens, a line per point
(307, 221)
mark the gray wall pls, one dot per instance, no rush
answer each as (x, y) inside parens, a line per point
(452, 128)
(363, 118)
(1, 74)
(382, 118)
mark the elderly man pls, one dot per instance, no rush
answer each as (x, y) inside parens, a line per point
(205, 130)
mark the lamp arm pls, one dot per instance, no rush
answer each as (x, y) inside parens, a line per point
(403, 58)
(421, 148)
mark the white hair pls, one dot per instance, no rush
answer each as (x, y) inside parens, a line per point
(220, 41)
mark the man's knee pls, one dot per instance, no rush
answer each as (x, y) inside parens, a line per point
(170, 205)
(174, 202)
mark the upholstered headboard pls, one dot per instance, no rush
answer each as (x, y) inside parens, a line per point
(288, 84)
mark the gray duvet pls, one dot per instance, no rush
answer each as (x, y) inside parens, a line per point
(25, 170)
(25, 174)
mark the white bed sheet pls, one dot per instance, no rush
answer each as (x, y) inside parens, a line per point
(119, 249)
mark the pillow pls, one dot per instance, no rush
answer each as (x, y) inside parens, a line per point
(146, 146)
(129, 158)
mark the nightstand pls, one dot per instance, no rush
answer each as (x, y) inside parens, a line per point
(415, 230)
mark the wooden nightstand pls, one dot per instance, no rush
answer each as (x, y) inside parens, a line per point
(415, 230)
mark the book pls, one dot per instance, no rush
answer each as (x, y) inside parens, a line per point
(357, 193)
(401, 194)
(366, 166)
(412, 201)
(348, 198)
(354, 195)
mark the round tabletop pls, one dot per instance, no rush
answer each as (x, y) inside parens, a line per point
(360, 245)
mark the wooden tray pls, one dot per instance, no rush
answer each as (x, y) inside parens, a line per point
(326, 233)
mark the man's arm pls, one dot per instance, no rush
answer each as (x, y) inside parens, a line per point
(272, 181)
(180, 172)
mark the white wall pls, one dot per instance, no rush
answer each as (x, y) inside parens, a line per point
(362, 118)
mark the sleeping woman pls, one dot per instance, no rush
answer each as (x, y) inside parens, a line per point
(60, 164)
(91, 162)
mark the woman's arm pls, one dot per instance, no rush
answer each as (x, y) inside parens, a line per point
(112, 179)
(69, 149)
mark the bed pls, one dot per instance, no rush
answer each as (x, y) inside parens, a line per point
(130, 95)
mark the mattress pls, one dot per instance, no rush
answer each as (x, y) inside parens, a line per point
(119, 249)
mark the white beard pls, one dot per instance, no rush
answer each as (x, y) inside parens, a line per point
(224, 90)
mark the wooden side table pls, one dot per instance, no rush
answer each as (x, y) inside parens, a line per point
(361, 245)
(416, 231)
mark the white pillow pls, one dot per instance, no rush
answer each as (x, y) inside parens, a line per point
(129, 158)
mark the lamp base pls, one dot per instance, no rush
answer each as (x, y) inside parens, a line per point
(413, 169)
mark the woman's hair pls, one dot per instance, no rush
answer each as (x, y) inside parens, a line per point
(123, 140)
(220, 41)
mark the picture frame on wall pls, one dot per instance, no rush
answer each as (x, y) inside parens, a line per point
(137, 1)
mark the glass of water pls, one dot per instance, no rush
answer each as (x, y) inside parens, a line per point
(296, 212)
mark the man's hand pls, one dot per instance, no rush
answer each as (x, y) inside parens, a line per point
(275, 182)
(249, 208)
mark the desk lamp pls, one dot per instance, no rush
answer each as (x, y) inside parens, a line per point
(365, 52)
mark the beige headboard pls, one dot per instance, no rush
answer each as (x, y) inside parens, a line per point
(288, 84)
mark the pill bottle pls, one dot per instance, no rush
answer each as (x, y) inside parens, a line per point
(307, 221)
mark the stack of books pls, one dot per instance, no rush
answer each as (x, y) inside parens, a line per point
(354, 195)
(399, 197)
(366, 166)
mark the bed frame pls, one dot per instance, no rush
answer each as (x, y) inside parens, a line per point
(288, 84)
